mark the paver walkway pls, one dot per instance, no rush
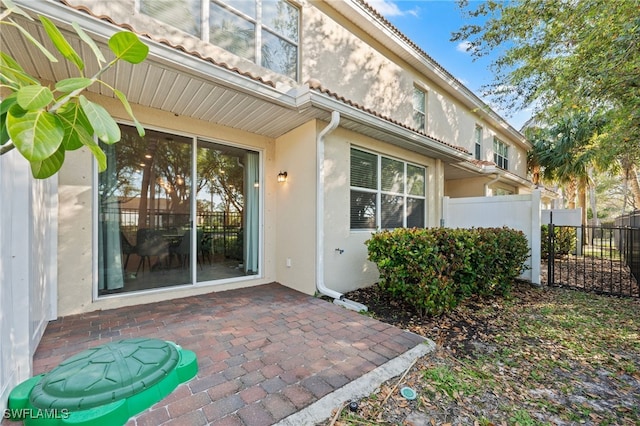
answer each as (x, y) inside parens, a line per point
(263, 352)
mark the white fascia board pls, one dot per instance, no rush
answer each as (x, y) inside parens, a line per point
(408, 138)
(163, 54)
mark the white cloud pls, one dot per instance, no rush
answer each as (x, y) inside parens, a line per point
(389, 8)
(464, 46)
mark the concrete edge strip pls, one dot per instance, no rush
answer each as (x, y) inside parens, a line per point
(359, 388)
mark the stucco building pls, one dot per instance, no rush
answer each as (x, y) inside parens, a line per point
(279, 136)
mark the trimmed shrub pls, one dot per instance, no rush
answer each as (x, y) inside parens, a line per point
(433, 269)
(565, 241)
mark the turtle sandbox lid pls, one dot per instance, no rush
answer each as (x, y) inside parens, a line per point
(105, 385)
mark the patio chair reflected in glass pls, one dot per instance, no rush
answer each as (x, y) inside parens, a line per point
(150, 244)
(183, 250)
(127, 248)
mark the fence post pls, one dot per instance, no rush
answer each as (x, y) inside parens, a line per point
(550, 252)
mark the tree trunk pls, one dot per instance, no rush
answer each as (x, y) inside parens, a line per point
(592, 197)
(582, 198)
(634, 184)
(571, 194)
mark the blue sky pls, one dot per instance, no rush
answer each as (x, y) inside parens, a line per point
(429, 24)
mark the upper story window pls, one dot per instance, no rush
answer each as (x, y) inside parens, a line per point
(500, 153)
(263, 31)
(420, 109)
(185, 15)
(385, 192)
(478, 143)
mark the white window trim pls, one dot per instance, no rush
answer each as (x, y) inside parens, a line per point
(478, 132)
(425, 104)
(497, 142)
(379, 192)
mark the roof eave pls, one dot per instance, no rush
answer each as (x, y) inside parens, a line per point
(388, 131)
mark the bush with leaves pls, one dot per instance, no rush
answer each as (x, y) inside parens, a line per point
(434, 269)
(43, 123)
(564, 241)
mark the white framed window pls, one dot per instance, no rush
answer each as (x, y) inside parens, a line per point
(385, 192)
(420, 109)
(500, 153)
(263, 31)
(478, 143)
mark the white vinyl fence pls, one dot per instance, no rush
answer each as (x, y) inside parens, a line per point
(521, 212)
(28, 267)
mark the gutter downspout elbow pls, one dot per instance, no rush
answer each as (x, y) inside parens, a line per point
(491, 182)
(338, 297)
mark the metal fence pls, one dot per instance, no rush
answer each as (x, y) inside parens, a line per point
(592, 258)
(630, 246)
(222, 230)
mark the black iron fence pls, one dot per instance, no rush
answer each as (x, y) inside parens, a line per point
(592, 258)
(222, 231)
(630, 246)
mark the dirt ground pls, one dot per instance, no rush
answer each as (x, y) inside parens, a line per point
(540, 356)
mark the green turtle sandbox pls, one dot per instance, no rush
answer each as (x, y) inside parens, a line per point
(105, 385)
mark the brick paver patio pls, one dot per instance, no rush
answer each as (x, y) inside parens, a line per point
(263, 352)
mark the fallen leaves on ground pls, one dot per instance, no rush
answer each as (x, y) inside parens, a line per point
(539, 356)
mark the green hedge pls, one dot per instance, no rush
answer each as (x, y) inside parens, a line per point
(433, 269)
(565, 241)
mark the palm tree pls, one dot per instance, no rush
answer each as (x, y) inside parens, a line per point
(563, 153)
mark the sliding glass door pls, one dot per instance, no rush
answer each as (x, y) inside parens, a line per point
(153, 232)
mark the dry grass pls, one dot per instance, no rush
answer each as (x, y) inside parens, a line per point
(537, 357)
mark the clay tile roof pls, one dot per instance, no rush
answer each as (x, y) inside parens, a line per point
(406, 39)
(481, 163)
(170, 44)
(317, 86)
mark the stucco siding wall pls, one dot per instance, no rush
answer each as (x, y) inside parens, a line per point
(296, 208)
(473, 187)
(343, 59)
(350, 269)
(350, 62)
(76, 280)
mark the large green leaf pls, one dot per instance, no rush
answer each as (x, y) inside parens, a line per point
(49, 166)
(5, 104)
(12, 72)
(90, 42)
(103, 125)
(34, 97)
(32, 39)
(61, 43)
(98, 153)
(77, 129)
(4, 133)
(127, 107)
(128, 47)
(36, 134)
(70, 84)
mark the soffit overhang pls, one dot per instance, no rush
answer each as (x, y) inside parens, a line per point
(189, 85)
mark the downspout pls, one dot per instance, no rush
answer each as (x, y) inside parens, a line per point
(491, 182)
(338, 298)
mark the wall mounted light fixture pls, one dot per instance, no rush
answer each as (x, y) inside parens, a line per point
(282, 177)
